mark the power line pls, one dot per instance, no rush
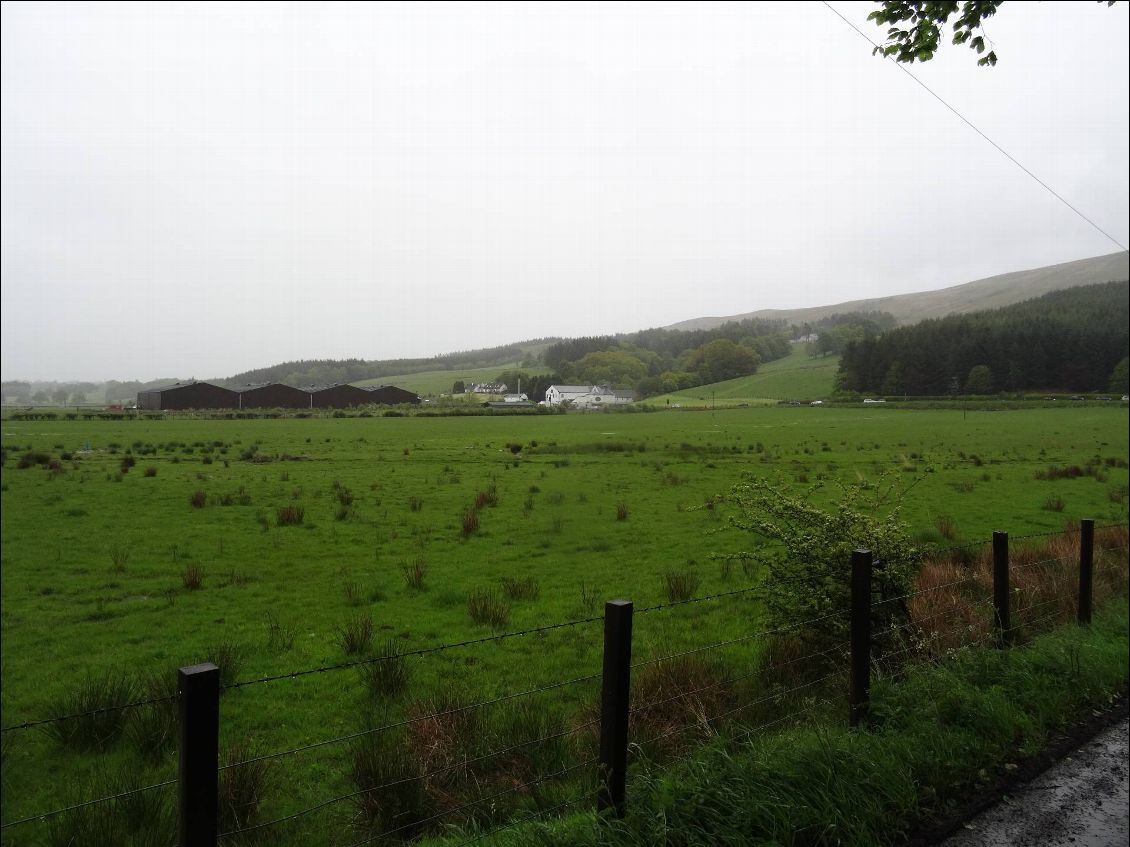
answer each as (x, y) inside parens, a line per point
(970, 124)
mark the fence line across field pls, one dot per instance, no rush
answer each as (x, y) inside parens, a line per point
(199, 689)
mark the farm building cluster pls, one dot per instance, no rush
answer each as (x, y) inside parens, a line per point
(587, 396)
(270, 395)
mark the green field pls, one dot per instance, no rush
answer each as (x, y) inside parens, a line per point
(798, 376)
(94, 562)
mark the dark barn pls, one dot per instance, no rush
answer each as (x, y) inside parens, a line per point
(272, 395)
(188, 395)
(390, 395)
(338, 396)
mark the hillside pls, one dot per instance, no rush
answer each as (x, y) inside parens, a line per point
(991, 293)
(798, 376)
(1069, 340)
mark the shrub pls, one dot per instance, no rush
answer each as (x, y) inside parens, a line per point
(96, 698)
(681, 585)
(151, 471)
(487, 606)
(806, 578)
(198, 499)
(356, 634)
(386, 676)
(289, 515)
(243, 785)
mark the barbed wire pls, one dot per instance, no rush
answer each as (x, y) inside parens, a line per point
(656, 703)
(473, 803)
(739, 639)
(419, 777)
(54, 812)
(423, 651)
(28, 724)
(408, 721)
(775, 696)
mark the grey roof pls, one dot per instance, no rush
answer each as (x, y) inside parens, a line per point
(572, 389)
(184, 384)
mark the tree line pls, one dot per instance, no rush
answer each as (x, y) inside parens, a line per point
(1071, 340)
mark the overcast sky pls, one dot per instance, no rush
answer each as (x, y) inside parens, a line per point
(195, 190)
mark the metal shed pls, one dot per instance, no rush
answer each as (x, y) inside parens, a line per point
(337, 396)
(391, 395)
(188, 395)
(272, 395)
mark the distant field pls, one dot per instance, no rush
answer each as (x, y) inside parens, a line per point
(94, 562)
(796, 377)
(432, 383)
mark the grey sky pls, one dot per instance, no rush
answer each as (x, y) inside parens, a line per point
(202, 189)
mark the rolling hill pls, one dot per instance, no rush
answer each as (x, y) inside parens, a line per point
(991, 293)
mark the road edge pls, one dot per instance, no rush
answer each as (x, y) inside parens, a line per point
(1063, 744)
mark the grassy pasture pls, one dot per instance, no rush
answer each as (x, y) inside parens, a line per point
(798, 376)
(99, 568)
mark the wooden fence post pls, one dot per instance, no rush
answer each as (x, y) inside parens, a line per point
(860, 695)
(615, 688)
(1001, 622)
(1086, 568)
(198, 691)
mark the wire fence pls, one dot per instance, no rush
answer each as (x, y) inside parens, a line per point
(800, 670)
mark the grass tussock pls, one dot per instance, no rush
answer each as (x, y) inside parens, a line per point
(388, 675)
(192, 577)
(415, 574)
(291, 515)
(488, 607)
(243, 786)
(681, 585)
(141, 819)
(521, 589)
(97, 699)
(674, 700)
(356, 634)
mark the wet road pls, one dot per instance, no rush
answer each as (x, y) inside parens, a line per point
(1080, 802)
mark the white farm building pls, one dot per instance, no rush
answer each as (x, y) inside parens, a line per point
(587, 396)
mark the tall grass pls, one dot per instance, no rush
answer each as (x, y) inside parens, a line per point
(96, 699)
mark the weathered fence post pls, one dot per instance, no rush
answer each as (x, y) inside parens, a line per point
(615, 686)
(1086, 568)
(1001, 622)
(198, 692)
(860, 635)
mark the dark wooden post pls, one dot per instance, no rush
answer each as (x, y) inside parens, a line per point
(198, 690)
(1086, 568)
(1001, 621)
(615, 686)
(860, 635)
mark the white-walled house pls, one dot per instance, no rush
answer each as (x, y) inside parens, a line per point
(587, 396)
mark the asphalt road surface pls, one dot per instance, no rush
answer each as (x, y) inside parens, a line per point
(1082, 801)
